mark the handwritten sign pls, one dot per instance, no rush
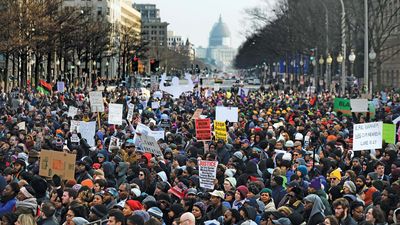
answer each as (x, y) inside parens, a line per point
(367, 136)
(115, 114)
(203, 129)
(150, 145)
(88, 131)
(60, 163)
(72, 111)
(359, 105)
(207, 173)
(96, 101)
(220, 130)
(60, 86)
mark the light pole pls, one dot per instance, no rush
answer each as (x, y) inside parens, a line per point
(343, 27)
(352, 58)
(301, 63)
(321, 64)
(372, 56)
(339, 59)
(107, 72)
(78, 64)
(316, 81)
(94, 72)
(366, 46)
(57, 67)
(329, 63)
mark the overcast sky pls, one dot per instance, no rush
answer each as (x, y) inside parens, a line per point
(195, 18)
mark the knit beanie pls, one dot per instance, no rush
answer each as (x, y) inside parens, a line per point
(243, 190)
(303, 170)
(350, 185)
(266, 190)
(156, 212)
(134, 205)
(201, 206)
(99, 210)
(316, 184)
(231, 180)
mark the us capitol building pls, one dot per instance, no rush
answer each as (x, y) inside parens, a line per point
(219, 51)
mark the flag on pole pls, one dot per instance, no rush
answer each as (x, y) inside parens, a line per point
(44, 87)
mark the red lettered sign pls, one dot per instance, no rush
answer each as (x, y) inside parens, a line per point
(203, 129)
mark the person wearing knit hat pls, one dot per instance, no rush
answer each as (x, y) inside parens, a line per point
(98, 212)
(335, 177)
(240, 197)
(315, 185)
(175, 211)
(143, 214)
(303, 171)
(266, 199)
(155, 212)
(79, 221)
(131, 206)
(349, 187)
(87, 183)
(199, 210)
(229, 184)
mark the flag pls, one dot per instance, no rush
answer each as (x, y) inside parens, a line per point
(44, 87)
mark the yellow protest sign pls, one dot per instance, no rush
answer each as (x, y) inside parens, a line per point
(220, 130)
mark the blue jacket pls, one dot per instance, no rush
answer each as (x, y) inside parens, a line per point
(7, 206)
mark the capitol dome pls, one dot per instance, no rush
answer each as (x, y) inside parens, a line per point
(220, 34)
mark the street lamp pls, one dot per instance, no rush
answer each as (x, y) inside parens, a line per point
(78, 64)
(321, 62)
(107, 71)
(352, 58)
(328, 77)
(372, 57)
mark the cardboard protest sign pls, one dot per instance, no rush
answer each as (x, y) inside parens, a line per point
(207, 173)
(389, 133)
(196, 114)
(220, 130)
(227, 113)
(359, 105)
(60, 86)
(115, 114)
(203, 129)
(367, 136)
(96, 101)
(72, 111)
(150, 145)
(60, 163)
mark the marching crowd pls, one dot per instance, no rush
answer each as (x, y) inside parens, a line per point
(288, 160)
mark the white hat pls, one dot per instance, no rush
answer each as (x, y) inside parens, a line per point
(136, 191)
(298, 137)
(289, 144)
(287, 156)
(216, 193)
(230, 172)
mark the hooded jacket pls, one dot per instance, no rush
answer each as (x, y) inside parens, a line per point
(316, 215)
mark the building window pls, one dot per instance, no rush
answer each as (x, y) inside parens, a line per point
(99, 11)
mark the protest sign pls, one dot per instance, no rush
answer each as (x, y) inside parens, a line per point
(207, 173)
(60, 163)
(155, 105)
(158, 94)
(367, 136)
(96, 101)
(196, 114)
(395, 121)
(115, 114)
(114, 142)
(129, 116)
(389, 133)
(88, 131)
(243, 92)
(74, 126)
(220, 130)
(203, 129)
(74, 138)
(60, 86)
(72, 111)
(227, 113)
(150, 145)
(359, 105)
(157, 134)
(342, 105)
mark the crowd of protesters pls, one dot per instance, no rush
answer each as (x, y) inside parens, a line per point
(288, 160)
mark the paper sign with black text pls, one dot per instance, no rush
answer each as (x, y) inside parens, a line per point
(207, 173)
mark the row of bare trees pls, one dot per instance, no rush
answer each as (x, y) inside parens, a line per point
(293, 27)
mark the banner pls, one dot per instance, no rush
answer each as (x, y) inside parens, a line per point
(207, 173)
(150, 145)
(389, 133)
(203, 129)
(60, 163)
(359, 105)
(342, 105)
(367, 136)
(227, 113)
(60, 86)
(220, 130)
(96, 101)
(115, 114)
(72, 111)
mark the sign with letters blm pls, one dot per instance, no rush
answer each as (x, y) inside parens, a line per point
(60, 163)
(367, 136)
(207, 173)
(203, 129)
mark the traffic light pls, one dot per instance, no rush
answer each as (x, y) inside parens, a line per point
(154, 64)
(135, 64)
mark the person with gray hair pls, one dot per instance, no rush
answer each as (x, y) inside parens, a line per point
(124, 191)
(187, 219)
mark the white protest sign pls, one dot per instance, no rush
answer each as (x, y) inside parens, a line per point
(21, 126)
(227, 113)
(96, 101)
(141, 129)
(88, 131)
(60, 86)
(367, 136)
(359, 105)
(129, 116)
(150, 145)
(243, 91)
(207, 173)
(176, 89)
(74, 126)
(395, 121)
(72, 111)
(74, 138)
(115, 114)
(157, 134)
(158, 94)
(114, 142)
(155, 105)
